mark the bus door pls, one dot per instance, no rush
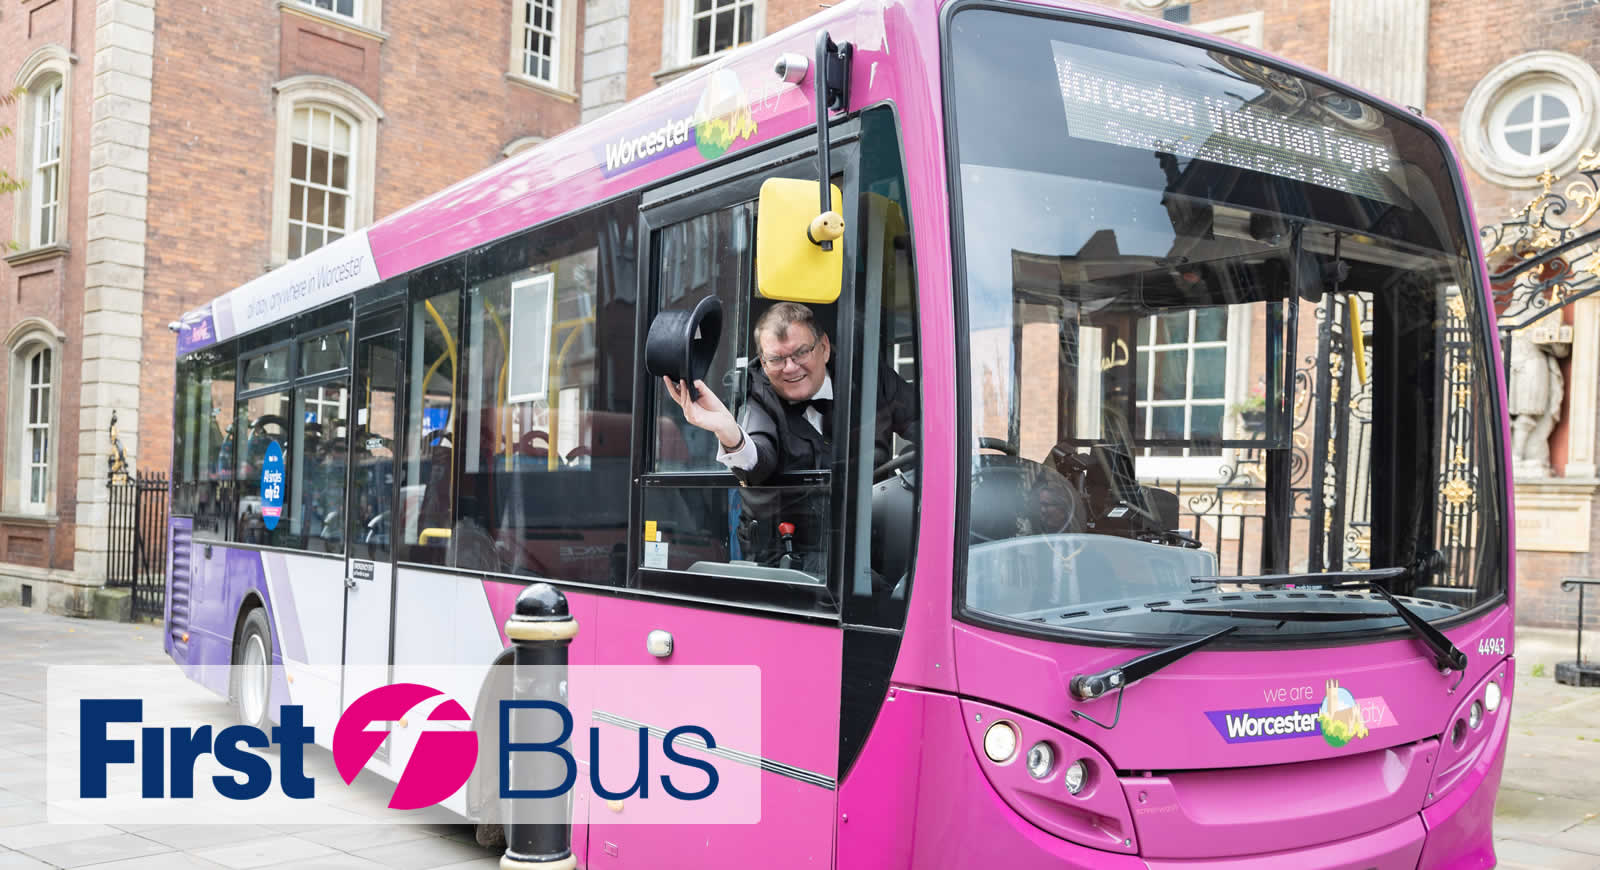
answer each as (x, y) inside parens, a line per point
(369, 570)
(715, 587)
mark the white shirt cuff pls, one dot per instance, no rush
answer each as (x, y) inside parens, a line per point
(742, 458)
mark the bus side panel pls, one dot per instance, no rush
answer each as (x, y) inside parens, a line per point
(180, 589)
(799, 734)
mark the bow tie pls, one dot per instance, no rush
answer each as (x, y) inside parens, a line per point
(823, 406)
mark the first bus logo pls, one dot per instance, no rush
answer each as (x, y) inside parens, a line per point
(439, 765)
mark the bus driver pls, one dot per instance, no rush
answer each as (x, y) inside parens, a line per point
(786, 426)
(786, 422)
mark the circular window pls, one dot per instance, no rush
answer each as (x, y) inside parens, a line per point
(1534, 122)
(1532, 113)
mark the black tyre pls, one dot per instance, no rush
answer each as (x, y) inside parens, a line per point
(252, 680)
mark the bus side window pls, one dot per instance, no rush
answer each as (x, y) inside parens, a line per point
(203, 459)
(549, 392)
(262, 424)
(705, 521)
(886, 486)
(427, 497)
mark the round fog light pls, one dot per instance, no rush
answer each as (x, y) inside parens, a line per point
(1077, 774)
(1040, 759)
(1491, 696)
(1475, 714)
(1000, 742)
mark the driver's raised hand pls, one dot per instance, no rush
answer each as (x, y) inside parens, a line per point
(707, 412)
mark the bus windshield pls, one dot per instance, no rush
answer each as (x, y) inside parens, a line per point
(1222, 321)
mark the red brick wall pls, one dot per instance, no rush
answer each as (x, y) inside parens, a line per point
(50, 289)
(1468, 38)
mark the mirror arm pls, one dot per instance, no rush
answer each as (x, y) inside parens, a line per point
(832, 85)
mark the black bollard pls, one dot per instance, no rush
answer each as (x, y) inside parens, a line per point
(538, 831)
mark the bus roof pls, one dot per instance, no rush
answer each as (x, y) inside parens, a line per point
(726, 106)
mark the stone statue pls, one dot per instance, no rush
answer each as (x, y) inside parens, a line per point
(1535, 394)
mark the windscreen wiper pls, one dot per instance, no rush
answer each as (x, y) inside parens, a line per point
(1446, 655)
(1087, 687)
(1279, 615)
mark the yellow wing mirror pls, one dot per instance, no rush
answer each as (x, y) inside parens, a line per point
(791, 264)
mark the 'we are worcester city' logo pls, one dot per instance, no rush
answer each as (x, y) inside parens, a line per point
(1338, 718)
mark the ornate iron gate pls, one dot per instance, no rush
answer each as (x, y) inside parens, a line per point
(1546, 257)
(1330, 429)
(137, 557)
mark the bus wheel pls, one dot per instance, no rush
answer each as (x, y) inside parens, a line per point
(490, 835)
(252, 660)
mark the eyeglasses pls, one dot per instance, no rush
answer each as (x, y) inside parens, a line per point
(775, 363)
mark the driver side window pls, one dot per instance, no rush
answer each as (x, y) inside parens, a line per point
(700, 517)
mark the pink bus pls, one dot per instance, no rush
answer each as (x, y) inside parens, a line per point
(1193, 551)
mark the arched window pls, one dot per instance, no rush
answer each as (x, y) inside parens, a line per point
(45, 168)
(34, 347)
(322, 147)
(42, 136)
(326, 159)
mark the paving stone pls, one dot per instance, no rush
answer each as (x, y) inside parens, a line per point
(95, 850)
(23, 837)
(354, 838)
(424, 854)
(192, 837)
(265, 852)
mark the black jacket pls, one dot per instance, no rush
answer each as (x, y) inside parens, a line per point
(786, 441)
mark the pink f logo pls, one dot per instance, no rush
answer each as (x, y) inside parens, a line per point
(442, 761)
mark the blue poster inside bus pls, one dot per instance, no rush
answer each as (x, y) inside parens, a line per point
(435, 419)
(272, 486)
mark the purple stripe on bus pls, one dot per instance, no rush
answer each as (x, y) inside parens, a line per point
(1267, 723)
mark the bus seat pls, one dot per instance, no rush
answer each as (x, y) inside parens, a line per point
(894, 515)
(1013, 497)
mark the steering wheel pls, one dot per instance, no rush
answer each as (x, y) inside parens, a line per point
(906, 457)
(1005, 447)
(909, 455)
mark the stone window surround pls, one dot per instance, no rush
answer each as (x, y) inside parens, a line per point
(1246, 29)
(325, 92)
(519, 145)
(565, 84)
(368, 20)
(26, 338)
(50, 60)
(677, 40)
(1512, 80)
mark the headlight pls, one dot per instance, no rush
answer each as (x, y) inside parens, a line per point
(1475, 714)
(1491, 696)
(1000, 742)
(1040, 759)
(1077, 774)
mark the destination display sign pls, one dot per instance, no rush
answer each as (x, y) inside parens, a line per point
(1138, 103)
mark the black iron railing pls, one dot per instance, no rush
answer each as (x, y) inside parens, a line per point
(137, 557)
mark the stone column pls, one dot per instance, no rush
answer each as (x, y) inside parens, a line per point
(1381, 46)
(113, 309)
(605, 57)
(1581, 387)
